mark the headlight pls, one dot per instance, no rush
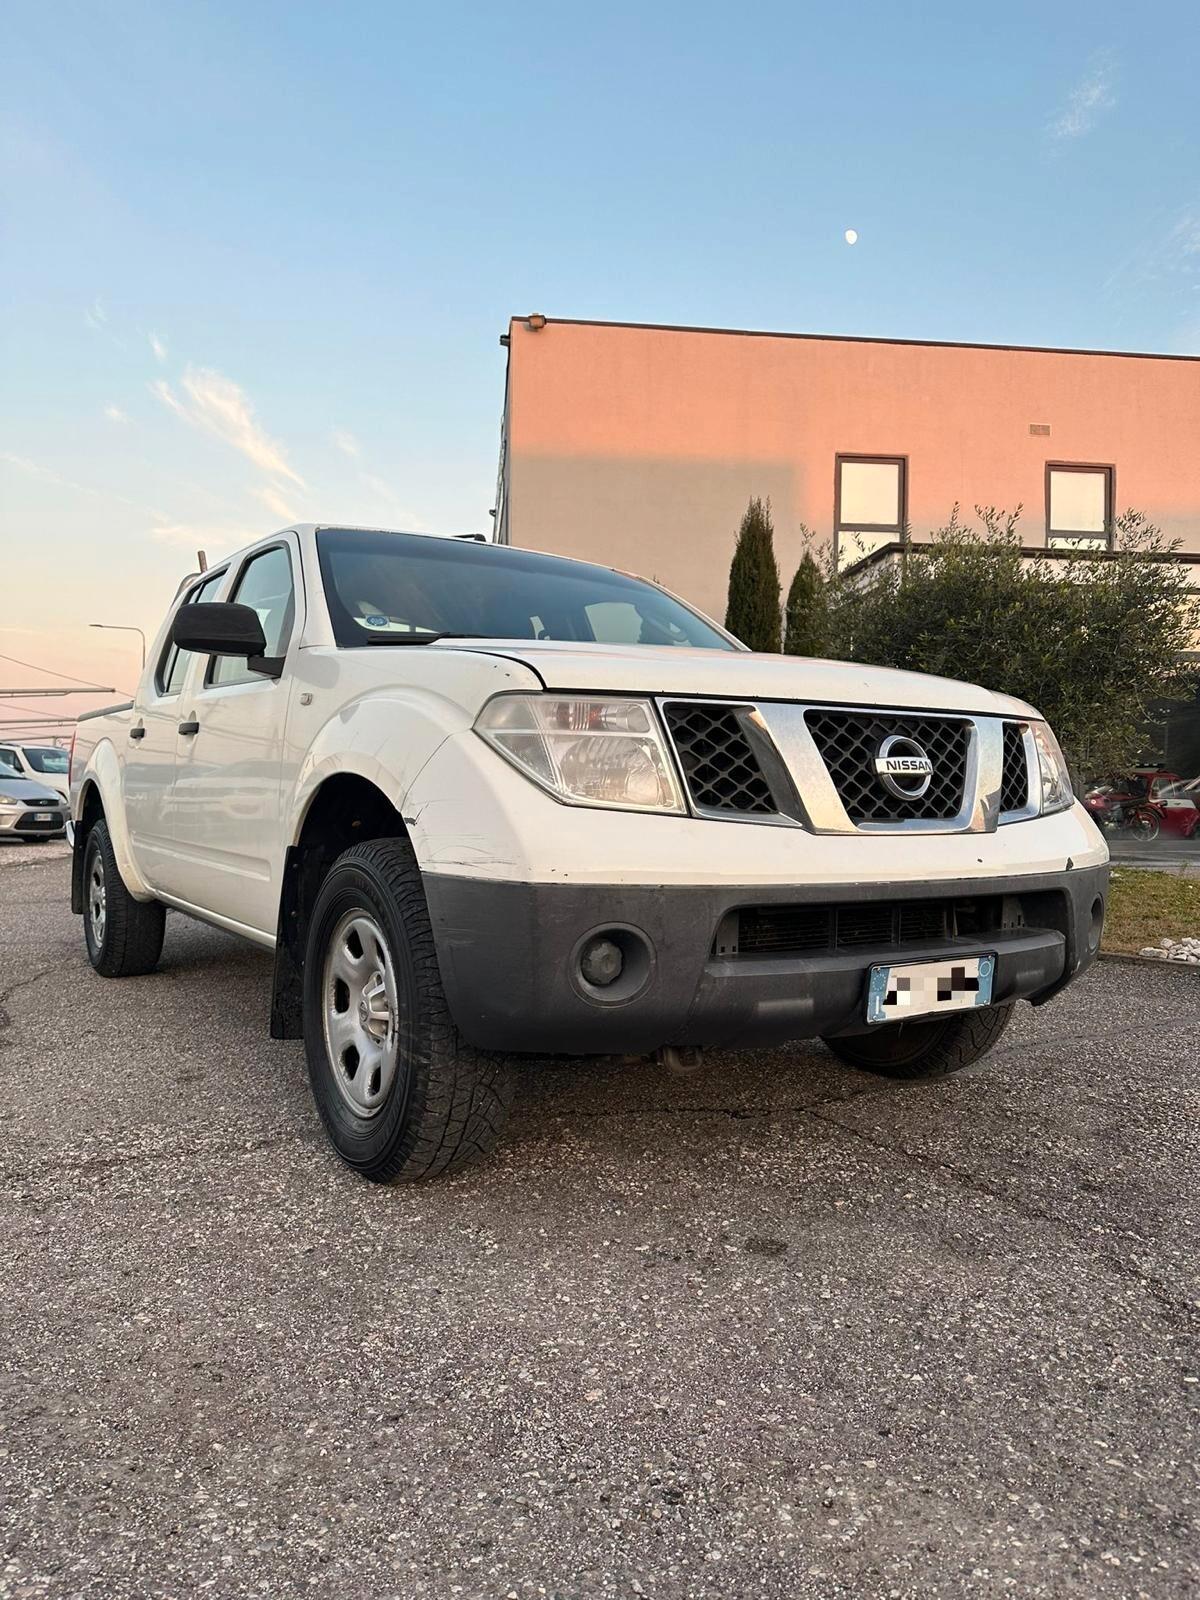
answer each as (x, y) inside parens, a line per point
(1053, 777)
(10, 800)
(586, 750)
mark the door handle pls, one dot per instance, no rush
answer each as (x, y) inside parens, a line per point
(189, 728)
(137, 733)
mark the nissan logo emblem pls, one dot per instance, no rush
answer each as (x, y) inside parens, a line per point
(903, 768)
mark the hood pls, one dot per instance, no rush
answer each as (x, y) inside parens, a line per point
(738, 674)
(28, 792)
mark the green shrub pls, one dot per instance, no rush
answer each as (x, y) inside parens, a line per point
(1090, 640)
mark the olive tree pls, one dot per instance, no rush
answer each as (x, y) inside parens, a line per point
(1090, 638)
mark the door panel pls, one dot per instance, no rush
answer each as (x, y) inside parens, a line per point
(148, 768)
(226, 812)
(228, 848)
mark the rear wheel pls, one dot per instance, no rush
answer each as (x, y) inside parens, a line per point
(1145, 826)
(401, 1095)
(927, 1049)
(124, 936)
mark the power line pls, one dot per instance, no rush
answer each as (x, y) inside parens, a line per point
(32, 711)
(50, 672)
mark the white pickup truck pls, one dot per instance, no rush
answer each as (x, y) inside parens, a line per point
(482, 802)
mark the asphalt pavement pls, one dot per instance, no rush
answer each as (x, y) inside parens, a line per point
(1167, 854)
(777, 1329)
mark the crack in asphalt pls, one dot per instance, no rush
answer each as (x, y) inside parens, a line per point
(979, 1186)
(6, 1016)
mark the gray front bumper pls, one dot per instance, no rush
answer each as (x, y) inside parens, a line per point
(507, 951)
(16, 820)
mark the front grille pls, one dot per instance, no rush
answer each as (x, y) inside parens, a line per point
(805, 929)
(721, 769)
(849, 740)
(1014, 790)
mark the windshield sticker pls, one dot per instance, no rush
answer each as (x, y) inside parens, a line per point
(376, 621)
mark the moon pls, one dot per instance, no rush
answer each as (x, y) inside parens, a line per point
(851, 236)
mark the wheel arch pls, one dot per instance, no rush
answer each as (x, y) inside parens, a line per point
(91, 811)
(345, 809)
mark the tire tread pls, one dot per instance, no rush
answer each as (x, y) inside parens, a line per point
(134, 929)
(959, 1043)
(459, 1096)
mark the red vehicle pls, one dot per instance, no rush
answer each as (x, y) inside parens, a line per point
(1147, 802)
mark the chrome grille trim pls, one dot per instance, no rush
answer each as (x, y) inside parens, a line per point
(759, 777)
(1029, 805)
(804, 790)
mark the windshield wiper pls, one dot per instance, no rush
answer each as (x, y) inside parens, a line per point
(420, 638)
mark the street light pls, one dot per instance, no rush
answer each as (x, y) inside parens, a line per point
(120, 627)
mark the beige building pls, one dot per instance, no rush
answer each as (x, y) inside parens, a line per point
(640, 446)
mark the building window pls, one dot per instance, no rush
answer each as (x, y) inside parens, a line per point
(870, 510)
(1079, 505)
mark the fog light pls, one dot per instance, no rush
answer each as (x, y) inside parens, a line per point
(601, 962)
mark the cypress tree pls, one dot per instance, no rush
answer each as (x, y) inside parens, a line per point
(805, 615)
(752, 613)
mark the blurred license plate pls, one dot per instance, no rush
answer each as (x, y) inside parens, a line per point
(921, 987)
(43, 816)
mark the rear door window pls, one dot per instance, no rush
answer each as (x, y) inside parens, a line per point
(173, 664)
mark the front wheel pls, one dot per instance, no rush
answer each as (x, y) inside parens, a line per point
(925, 1049)
(124, 936)
(401, 1095)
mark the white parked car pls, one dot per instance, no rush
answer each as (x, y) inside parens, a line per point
(45, 764)
(28, 810)
(481, 802)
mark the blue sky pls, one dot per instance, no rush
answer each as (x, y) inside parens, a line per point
(257, 256)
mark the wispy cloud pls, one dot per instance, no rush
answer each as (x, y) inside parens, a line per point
(1087, 102)
(377, 486)
(115, 414)
(158, 347)
(216, 405)
(44, 474)
(277, 504)
(198, 535)
(347, 443)
(96, 316)
(383, 492)
(1169, 257)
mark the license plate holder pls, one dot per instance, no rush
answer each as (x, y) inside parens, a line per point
(905, 989)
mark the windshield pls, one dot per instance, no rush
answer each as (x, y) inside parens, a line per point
(48, 759)
(404, 584)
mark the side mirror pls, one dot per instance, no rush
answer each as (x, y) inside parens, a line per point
(222, 628)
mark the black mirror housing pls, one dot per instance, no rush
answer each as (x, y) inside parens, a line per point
(219, 628)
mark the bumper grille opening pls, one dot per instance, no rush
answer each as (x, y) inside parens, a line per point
(1014, 790)
(718, 762)
(849, 741)
(883, 924)
(30, 822)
